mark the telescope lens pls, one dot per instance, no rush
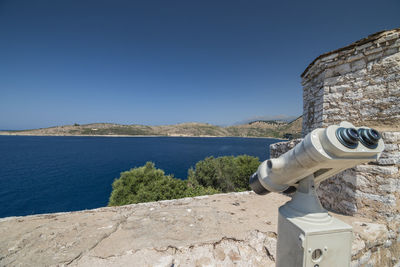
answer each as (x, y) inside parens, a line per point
(352, 133)
(269, 164)
(369, 137)
(374, 134)
(347, 137)
(256, 186)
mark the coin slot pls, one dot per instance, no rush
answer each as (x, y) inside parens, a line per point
(316, 255)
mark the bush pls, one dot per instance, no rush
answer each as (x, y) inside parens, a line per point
(225, 174)
(147, 183)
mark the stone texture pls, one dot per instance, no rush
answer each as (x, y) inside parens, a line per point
(365, 78)
(236, 229)
(219, 230)
(279, 148)
(360, 83)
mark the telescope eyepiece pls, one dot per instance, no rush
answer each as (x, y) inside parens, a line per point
(369, 137)
(348, 137)
(256, 186)
(269, 164)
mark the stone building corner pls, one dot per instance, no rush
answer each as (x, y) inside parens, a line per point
(359, 83)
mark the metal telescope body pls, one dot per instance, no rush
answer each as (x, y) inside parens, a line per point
(307, 234)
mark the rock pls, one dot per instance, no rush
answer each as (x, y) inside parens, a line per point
(362, 260)
(357, 246)
(373, 234)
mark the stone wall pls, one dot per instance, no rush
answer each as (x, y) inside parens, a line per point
(359, 83)
(371, 190)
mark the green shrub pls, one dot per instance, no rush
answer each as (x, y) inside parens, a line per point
(147, 183)
(225, 174)
(210, 176)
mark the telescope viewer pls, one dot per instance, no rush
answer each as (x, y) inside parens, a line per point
(307, 234)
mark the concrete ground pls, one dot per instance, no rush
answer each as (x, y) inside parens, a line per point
(219, 230)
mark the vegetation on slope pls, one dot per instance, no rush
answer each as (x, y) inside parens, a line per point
(225, 174)
(252, 129)
(210, 176)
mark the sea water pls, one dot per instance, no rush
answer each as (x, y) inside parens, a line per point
(44, 174)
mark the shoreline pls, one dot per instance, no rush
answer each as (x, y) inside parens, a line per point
(82, 135)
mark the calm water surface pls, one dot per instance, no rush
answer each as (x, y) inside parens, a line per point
(43, 174)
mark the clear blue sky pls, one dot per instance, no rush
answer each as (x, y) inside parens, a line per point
(164, 62)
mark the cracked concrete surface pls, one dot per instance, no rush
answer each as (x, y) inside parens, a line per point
(219, 230)
(225, 229)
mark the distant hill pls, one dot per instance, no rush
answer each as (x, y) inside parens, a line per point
(260, 128)
(271, 119)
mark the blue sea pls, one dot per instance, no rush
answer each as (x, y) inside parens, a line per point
(44, 174)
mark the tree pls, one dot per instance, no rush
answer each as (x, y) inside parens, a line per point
(225, 174)
(146, 183)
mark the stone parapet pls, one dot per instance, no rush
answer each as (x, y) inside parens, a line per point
(236, 229)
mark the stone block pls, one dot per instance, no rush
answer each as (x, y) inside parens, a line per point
(354, 95)
(332, 111)
(373, 50)
(330, 57)
(329, 72)
(388, 200)
(357, 180)
(280, 148)
(391, 36)
(391, 137)
(347, 207)
(339, 88)
(343, 69)
(391, 51)
(391, 110)
(392, 156)
(373, 234)
(355, 57)
(396, 43)
(374, 57)
(386, 161)
(370, 111)
(358, 245)
(357, 65)
(360, 84)
(333, 97)
(390, 185)
(392, 147)
(333, 80)
(362, 260)
(376, 169)
(364, 46)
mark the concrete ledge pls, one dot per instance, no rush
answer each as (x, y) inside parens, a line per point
(219, 230)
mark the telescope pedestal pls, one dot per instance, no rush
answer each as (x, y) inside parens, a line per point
(308, 236)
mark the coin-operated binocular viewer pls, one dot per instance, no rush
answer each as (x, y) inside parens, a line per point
(307, 234)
